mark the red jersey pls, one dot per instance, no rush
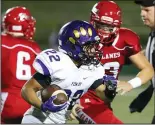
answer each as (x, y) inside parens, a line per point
(18, 55)
(116, 55)
(17, 58)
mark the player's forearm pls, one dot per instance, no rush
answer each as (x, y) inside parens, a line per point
(146, 70)
(146, 74)
(142, 77)
(100, 92)
(30, 96)
(29, 92)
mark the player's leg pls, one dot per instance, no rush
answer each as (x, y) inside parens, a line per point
(101, 114)
(97, 110)
(106, 117)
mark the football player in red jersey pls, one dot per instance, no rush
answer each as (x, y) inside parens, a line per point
(18, 52)
(118, 45)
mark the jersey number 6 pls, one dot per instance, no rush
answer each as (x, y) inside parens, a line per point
(23, 71)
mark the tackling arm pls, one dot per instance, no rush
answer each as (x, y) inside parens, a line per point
(145, 74)
(105, 88)
(142, 63)
(137, 57)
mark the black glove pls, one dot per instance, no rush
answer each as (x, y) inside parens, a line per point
(111, 85)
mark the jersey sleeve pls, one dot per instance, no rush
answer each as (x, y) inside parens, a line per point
(133, 41)
(43, 80)
(96, 84)
(42, 64)
(53, 63)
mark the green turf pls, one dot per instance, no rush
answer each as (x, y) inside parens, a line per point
(121, 110)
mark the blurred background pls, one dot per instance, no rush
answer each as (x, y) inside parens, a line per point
(51, 15)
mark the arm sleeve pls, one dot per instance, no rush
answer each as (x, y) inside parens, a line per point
(134, 44)
(43, 80)
(42, 65)
(96, 84)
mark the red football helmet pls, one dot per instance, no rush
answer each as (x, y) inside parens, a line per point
(106, 18)
(18, 21)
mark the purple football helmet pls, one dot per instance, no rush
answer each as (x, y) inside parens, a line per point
(79, 40)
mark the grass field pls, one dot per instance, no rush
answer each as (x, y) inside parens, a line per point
(121, 110)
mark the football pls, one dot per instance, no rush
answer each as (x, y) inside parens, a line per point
(52, 90)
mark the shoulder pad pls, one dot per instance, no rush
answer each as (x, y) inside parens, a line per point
(50, 61)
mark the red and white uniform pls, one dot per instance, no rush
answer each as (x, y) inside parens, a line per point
(18, 55)
(114, 57)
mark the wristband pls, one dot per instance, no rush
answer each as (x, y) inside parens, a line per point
(135, 82)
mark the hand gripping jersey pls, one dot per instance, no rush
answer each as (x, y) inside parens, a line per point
(63, 72)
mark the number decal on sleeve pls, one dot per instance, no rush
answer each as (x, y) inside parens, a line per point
(23, 71)
(75, 97)
(53, 56)
(111, 68)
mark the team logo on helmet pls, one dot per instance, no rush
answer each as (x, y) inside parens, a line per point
(71, 39)
(90, 32)
(76, 33)
(23, 16)
(82, 32)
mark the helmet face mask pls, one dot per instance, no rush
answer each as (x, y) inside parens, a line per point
(90, 54)
(105, 27)
(18, 22)
(106, 18)
(106, 32)
(79, 40)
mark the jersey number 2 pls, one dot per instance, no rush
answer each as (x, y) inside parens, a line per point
(75, 97)
(23, 71)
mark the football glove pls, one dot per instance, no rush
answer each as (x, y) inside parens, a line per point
(111, 85)
(50, 106)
